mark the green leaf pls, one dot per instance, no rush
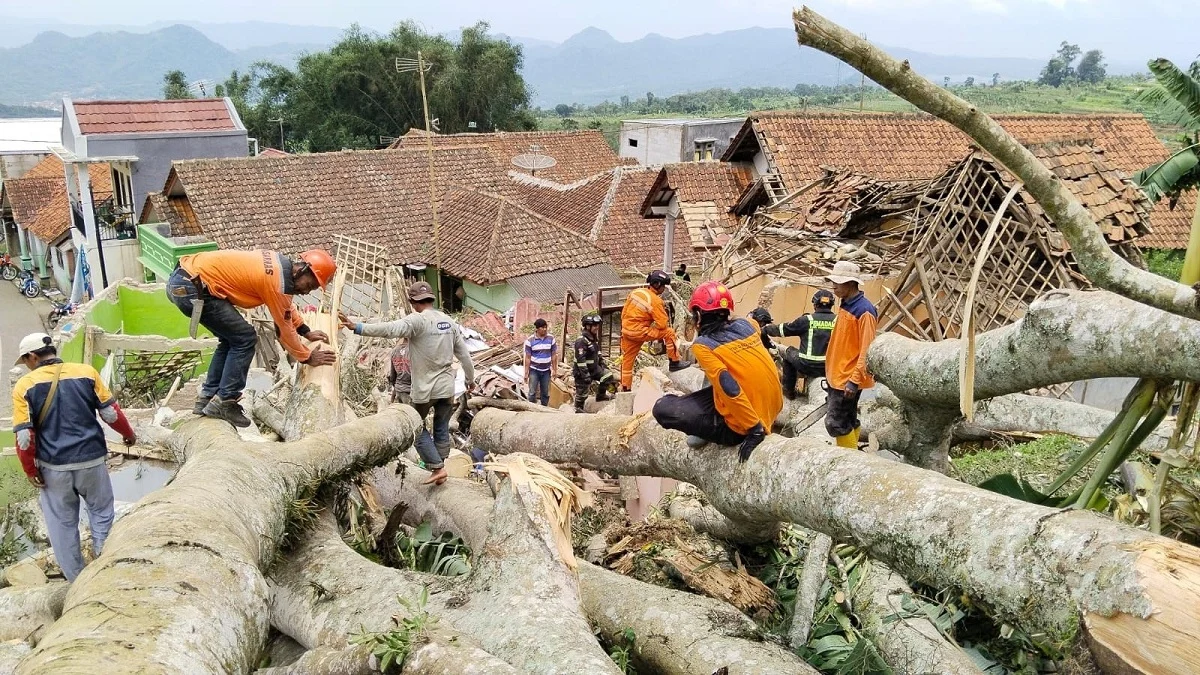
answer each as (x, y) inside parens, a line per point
(830, 643)
(1182, 87)
(424, 532)
(1013, 486)
(1176, 173)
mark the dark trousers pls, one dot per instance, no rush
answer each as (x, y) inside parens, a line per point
(584, 377)
(795, 367)
(539, 386)
(841, 413)
(434, 449)
(235, 338)
(695, 415)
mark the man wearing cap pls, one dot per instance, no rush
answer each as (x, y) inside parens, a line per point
(434, 340)
(644, 319)
(846, 372)
(814, 331)
(589, 363)
(541, 362)
(62, 448)
(210, 286)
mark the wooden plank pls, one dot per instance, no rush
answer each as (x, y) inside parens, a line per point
(935, 319)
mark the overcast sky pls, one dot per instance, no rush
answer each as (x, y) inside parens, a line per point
(1127, 30)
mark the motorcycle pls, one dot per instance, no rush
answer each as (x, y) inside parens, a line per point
(28, 285)
(61, 309)
(8, 271)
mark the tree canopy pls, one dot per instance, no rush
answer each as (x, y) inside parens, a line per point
(1061, 70)
(352, 95)
(175, 85)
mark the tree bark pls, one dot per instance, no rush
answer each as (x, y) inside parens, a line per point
(661, 619)
(11, 654)
(27, 611)
(808, 593)
(1035, 567)
(1065, 336)
(179, 587)
(911, 645)
(685, 505)
(1096, 260)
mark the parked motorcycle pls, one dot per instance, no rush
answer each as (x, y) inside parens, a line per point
(8, 270)
(61, 309)
(28, 285)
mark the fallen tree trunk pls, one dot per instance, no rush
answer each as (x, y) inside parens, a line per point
(1032, 566)
(26, 611)
(715, 634)
(1096, 260)
(685, 505)
(179, 587)
(1065, 336)
(808, 592)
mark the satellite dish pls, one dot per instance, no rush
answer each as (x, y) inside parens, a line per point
(533, 160)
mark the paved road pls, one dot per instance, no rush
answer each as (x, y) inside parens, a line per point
(18, 318)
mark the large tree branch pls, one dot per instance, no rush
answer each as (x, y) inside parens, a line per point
(26, 611)
(1096, 260)
(179, 587)
(1033, 566)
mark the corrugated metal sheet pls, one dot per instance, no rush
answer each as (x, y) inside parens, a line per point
(552, 286)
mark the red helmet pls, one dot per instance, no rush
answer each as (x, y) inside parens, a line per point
(321, 264)
(711, 296)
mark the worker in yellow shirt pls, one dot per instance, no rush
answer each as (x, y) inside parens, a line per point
(210, 286)
(846, 374)
(644, 319)
(745, 397)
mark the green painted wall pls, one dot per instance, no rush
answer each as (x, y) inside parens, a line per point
(498, 298)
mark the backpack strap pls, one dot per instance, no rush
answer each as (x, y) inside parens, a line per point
(49, 397)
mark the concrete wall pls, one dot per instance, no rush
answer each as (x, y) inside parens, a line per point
(155, 154)
(498, 298)
(15, 166)
(722, 131)
(658, 144)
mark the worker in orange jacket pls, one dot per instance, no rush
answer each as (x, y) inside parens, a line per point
(846, 374)
(644, 319)
(210, 286)
(745, 397)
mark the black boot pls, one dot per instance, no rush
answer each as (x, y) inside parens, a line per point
(602, 394)
(757, 435)
(674, 366)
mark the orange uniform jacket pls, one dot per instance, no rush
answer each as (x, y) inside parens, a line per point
(644, 316)
(249, 279)
(846, 358)
(744, 379)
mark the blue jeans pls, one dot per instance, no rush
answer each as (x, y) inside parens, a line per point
(60, 507)
(539, 386)
(434, 450)
(235, 339)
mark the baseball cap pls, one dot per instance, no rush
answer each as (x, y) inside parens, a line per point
(420, 291)
(32, 343)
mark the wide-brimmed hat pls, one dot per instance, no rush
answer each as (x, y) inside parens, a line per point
(420, 291)
(844, 272)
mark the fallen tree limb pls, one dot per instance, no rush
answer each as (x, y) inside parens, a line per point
(1025, 414)
(808, 593)
(685, 505)
(11, 653)
(328, 661)
(717, 635)
(907, 640)
(26, 611)
(1096, 260)
(1032, 566)
(179, 587)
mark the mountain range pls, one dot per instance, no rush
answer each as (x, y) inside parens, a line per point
(589, 67)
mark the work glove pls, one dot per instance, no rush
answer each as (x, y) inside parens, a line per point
(851, 390)
(753, 438)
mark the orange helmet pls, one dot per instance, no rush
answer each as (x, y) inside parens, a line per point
(711, 296)
(321, 264)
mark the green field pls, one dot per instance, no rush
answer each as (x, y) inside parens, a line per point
(1114, 95)
(13, 486)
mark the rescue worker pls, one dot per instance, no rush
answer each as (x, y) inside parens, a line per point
(744, 399)
(764, 319)
(814, 331)
(589, 363)
(644, 319)
(846, 374)
(434, 340)
(61, 446)
(210, 286)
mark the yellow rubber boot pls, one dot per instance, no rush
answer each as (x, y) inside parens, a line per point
(849, 440)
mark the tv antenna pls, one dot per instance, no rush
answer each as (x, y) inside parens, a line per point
(421, 66)
(200, 87)
(534, 160)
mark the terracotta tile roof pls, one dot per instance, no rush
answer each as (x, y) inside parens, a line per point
(635, 242)
(908, 146)
(574, 206)
(175, 211)
(135, 117)
(300, 202)
(488, 238)
(39, 198)
(706, 192)
(274, 152)
(552, 286)
(579, 154)
(1119, 207)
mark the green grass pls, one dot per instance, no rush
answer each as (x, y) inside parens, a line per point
(1039, 462)
(1165, 263)
(13, 486)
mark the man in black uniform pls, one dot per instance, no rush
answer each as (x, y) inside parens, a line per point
(589, 363)
(814, 331)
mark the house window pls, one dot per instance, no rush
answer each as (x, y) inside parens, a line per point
(704, 150)
(633, 142)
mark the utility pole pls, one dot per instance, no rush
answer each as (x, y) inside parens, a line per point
(280, 120)
(420, 65)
